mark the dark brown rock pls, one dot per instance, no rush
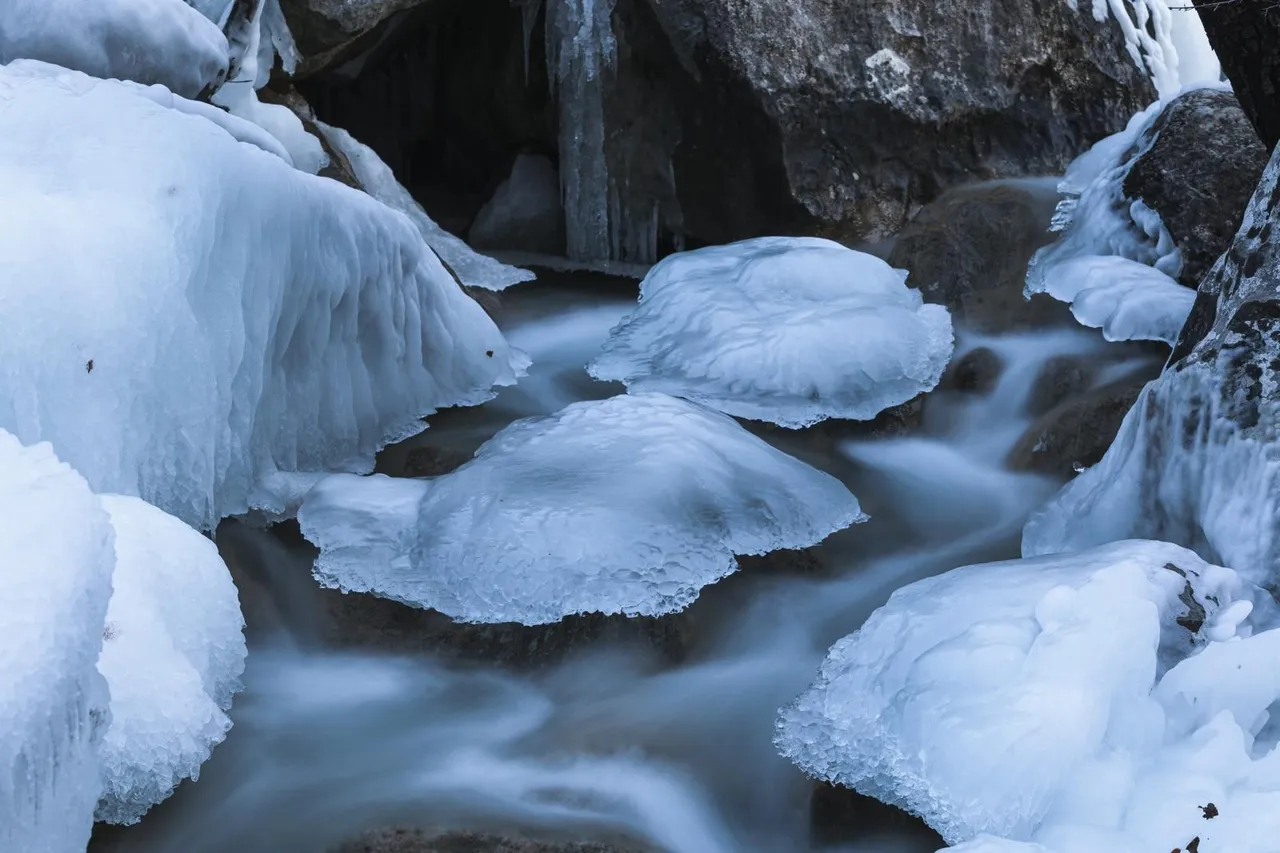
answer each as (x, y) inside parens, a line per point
(969, 251)
(1077, 433)
(1246, 36)
(839, 815)
(423, 841)
(1198, 174)
(976, 372)
(1063, 377)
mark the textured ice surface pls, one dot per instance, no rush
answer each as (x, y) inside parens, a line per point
(222, 316)
(56, 575)
(172, 655)
(471, 268)
(1196, 460)
(149, 41)
(1169, 44)
(627, 505)
(1128, 300)
(1106, 237)
(1090, 701)
(781, 329)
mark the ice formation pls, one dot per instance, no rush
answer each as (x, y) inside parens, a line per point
(1168, 43)
(1196, 459)
(172, 655)
(376, 177)
(219, 316)
(628, 505)
(56, 573)
(1090, 701)
(147, 41)
(1115, 262)
(781, 329)
(581, 51)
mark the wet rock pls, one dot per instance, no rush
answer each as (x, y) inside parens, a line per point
(1076, 433)
(423, 841)
(1199, 174)
(324, 29)
(976, 372)
(525, 213)
(969, 251)
(433, 461)
(1061, 378)
(839, 815)
(803, 562)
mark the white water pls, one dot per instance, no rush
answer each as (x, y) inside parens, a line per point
(610, 746)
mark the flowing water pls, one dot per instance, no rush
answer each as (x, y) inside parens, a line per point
(610, 746)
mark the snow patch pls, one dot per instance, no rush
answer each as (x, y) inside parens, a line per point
(628, 505)
(781, 329)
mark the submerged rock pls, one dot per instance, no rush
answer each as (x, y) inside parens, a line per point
(1198, 175)
(424, 841)
(1075, 434)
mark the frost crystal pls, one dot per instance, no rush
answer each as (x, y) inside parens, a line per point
(781, 329)
(629, 505)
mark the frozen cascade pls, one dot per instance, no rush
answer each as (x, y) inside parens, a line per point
(1169, 43)
(581, 50)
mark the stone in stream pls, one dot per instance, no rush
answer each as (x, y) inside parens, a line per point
(976, 372)
(403, 840)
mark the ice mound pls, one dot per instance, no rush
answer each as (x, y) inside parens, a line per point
(148, 41)
(781, 329)
(1091, 701)
(172, 655)
(472, 268)
(628, 505)
(56, 572)
(1115, 263)
(219, 317)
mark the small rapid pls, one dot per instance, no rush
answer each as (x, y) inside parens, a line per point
(612, 745)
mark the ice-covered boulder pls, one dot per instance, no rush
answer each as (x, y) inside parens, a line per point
(56, 543)
(628, 505)
(781, 329)
(148, 41)
(1116, 263)
(1197, 460)
(187, 315)
(376, 178)
(172, 655)
(1091, 701)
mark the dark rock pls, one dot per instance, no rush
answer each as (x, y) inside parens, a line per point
(1076, 433)
(1198, 174)
(322, 29)
(433, 461)
(839, 815)
(423, 841)
(1062, 378)
(1246, 37)
(976, 372)
(803, 562)
(969, 251)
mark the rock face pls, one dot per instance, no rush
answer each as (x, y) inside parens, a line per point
(322, 28)
(842, 116)
(1198, 175)
(1197, 461)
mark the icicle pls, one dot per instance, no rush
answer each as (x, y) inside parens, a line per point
(529, 16)
(580, 50)
(1153, 38)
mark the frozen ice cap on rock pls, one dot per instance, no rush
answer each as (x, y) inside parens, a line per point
(782, 329)
(147, 41)
(172, 654)
(186, 315)
(628, 505)
(1007, 697)
(55, 568)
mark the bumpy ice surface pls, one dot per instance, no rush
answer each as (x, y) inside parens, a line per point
(471, 268)
(1091, 701)
(56, 574)
(788, 330)
(628, 505)
(172, 655)
(222, 316)
(148, 41)
(1115, 262)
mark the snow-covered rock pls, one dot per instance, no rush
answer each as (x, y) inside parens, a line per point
(377, 179)
(56, 543)
(1091, 701)
(1106, 238)
(781, 329)
(628, 505)
(187, 315)
(1197, 460)
(147, 41)
(172, 655)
